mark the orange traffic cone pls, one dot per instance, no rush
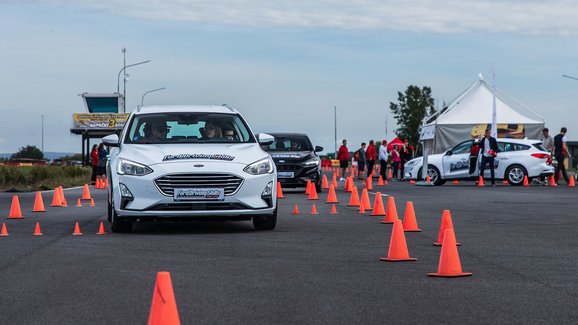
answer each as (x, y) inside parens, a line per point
(481, 181)
(331, 197)
(56, 200)
(389, 174)
(380, 181)
(571, 182)
(553, 181)
(91, 202)
(313, 193)
(390, 211)
(314, 209)
(505, 182)
(333, 209)
(38, 203)
(409, 222)
(77, 230)
(378, 209)
(369, 184)
(164, 306)
(101, 229)
(4, 231)
(37, 231)
(308, 187)
(397, 245)
(411, 181)
(106, 183)
(324, 182)
(279, 191)
(456, 182)
(428, 179)
(64, 204)
(15, 212)
(446, 223)
(85, 193)
(334, 181)
(354, 198)
(348, 184)
(449, 264)
(525, 182)
(365, 200)
(361, 208)
(78, 203)
(295, 209)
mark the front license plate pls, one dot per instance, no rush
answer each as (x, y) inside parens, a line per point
(205, 194)
(285, 174)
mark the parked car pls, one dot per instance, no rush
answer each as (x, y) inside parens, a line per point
(191, 162)
(515, 159)
(296, 160)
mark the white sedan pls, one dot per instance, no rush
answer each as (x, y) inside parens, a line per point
(515, 159)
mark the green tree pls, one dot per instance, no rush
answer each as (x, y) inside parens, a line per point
(413, 105)
(29, 152)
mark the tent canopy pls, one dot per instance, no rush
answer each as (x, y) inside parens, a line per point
(393, 142)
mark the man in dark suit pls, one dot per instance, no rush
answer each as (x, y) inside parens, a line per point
(489, 150)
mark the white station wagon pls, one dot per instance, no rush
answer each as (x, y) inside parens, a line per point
(516, 159)
(190, 162)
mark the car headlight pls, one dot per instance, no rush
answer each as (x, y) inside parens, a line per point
(126, 167)
(262, 166)
(311, 162)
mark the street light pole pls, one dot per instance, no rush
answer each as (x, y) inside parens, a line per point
(124, 79)
(569, 77)
(118, 77)
(335, 128)
(148, 92)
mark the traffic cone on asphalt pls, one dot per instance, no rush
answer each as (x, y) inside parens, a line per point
(449, 264)
(553, 181)
(389, 174)
(77, 230)
(361, 208)
(365, 200)
(314, 209)
(313, 193)
(428, 179)
(456, 182)
(295, 209)
(397, 245)
(369, 184)
(411, 181)
(37, 231)
(62, 196)
(390, 211)
(378, 209)
(331, 197)
(505, 182)
(164, 306)
(91, 202)
(106, 183)
(481, 181)
(15, 212)
(446, 223)
(38, 203)
(348, 185)
(324, 182)
(333, 209)
(354, 198)
(101, 229)
(571, 182)
(279, 191)
(525, 182)
(308, 187)
(4, 231)
(380, 181)
(334, 181)
(85, 193)
(56, 200)
(409, 222)
(78, 203)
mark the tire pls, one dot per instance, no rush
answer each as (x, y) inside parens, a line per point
(265, 222)
(117, 225)
(434, 175)
(318, 187)
(515, 175)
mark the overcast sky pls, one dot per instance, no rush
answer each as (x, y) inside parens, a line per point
(283, 64)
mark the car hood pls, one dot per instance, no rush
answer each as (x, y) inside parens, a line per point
(151, 154)
(291, 156)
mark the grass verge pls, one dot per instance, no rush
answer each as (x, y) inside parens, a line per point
(40, 178)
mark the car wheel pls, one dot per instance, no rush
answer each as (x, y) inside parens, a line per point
(265, 222)
(318, 187)
(434, 175)
(117, 224)
(515, 175)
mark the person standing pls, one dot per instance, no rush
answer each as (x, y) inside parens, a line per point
(404, 156)
(395, 161)
(343, 157)
(102, 156)
(361, 161)
(371, 156)
(383, 157)
(548, 144)
(560, 152)
(489, 150)
(94, 163)
(474, 153)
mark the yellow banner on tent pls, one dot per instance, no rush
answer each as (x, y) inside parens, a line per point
(99, 120)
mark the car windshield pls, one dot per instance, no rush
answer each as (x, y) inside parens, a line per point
(187, 128)
(289, 143)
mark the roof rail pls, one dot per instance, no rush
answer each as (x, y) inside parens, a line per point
(227, 106)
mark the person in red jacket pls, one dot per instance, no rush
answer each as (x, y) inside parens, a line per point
(94, 163)
(371, 156)
(343, 157)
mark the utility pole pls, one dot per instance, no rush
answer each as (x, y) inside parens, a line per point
(335, 128)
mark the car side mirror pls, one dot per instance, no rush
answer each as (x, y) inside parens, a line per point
(318, 148)
(111, 140)
(265, 139)
(449, 153)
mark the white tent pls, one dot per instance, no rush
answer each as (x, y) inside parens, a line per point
(470, 114)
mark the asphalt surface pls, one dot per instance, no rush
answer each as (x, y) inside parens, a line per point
(520, 243)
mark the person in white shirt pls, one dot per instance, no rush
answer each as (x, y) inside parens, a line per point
(383, 157)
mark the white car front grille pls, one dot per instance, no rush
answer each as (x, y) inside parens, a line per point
(168, 183)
